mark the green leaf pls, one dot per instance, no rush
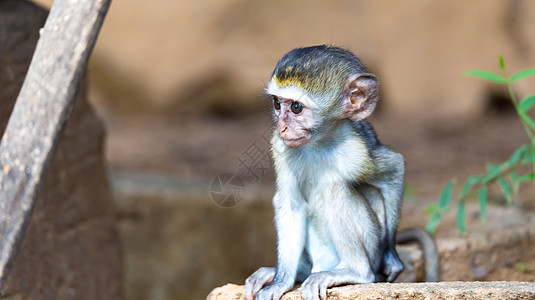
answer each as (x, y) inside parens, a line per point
(461, 218)
(468, 184)
(514, 181)
(518, 154)
(433, 223)
(485, 75)
(493, 170)
(517, 180)
(506, 189)
(527, 158)
(502, 62)
(482, 199)
(445, 196)
(526, 177)
(522, 74)
(527, 103)
(443, 203)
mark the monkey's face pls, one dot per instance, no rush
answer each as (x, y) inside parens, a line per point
(314, 88)
(293, 111)
(293, 121)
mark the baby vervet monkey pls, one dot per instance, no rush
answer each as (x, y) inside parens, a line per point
(339, 190)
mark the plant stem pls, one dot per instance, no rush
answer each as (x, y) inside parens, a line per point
(526, 126)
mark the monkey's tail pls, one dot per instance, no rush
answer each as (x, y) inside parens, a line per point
(429, 249)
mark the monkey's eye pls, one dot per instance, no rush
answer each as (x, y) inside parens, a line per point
(276, 103)
(297, 107)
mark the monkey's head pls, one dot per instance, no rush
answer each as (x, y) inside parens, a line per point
(314, 88)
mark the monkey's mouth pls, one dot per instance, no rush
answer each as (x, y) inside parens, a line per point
(296, 142)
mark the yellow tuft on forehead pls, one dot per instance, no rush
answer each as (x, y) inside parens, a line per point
(287, 81)
(319, 83)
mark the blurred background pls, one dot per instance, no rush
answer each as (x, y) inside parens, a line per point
(176, 84)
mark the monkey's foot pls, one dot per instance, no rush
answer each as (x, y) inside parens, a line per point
(392, 265)
(315, 287)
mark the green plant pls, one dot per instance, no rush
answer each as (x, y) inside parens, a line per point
(504, 174)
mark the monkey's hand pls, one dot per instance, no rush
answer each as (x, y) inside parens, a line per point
(315, 287)
(257, 280)
(273, 289)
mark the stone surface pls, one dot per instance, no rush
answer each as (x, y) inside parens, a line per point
(474, 257)
(413, 291)
(71, 249)
(478, 255)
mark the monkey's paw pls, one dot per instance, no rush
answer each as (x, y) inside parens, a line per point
(257, 280)
(315, 286)
(273, 291)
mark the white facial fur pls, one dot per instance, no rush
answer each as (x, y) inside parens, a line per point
(291, 92)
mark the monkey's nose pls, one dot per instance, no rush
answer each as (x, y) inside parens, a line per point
(284, 130)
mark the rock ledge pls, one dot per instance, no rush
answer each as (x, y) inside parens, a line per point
(413, 291)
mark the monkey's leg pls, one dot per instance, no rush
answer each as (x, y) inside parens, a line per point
(290, 223)
(391, 264)
(354, 231)
(389, 181)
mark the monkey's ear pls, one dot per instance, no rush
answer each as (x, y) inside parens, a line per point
(359, 96)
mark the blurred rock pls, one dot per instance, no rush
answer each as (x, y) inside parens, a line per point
(483, 252)
(418, 48)
(179, 244)
(71, 249)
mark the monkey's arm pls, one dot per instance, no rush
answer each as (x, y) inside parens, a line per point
(290, 224)
(389, 179)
